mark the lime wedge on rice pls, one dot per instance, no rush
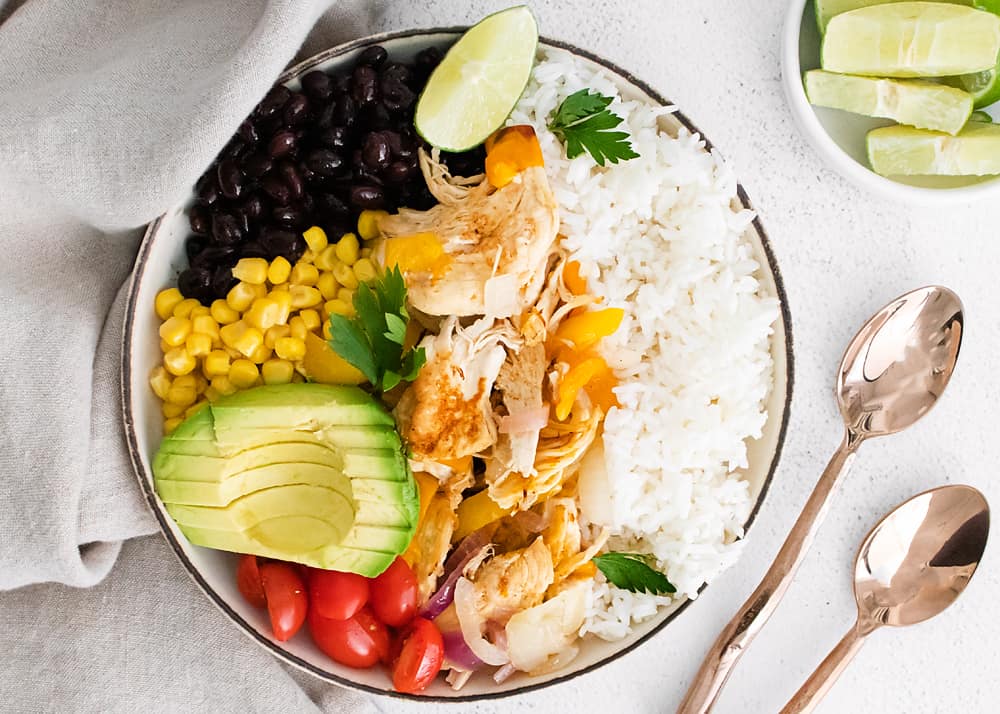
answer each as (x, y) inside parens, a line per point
(912, 39)
(908, 101)
(983, 86)
(905, 151)
(477, 84)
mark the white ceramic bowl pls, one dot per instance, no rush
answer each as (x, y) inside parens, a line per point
(162, 256)
(839, 137)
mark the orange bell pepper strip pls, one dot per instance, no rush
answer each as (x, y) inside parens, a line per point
(574, 282)
(573, 381)
(584, 331)
(510, 151)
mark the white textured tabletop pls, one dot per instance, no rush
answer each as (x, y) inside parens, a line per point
(843, 255)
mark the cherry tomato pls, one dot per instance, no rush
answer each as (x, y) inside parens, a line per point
(420, 658)
(360, 641)
(335, 595)
(248, 581)
(394, 594)
(287, 602)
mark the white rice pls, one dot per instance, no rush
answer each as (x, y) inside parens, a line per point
(659, 237)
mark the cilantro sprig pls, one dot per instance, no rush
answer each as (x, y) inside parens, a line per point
(631, 571)
(583, 122)
(373, 339)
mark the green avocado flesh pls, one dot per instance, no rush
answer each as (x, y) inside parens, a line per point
(308, 473)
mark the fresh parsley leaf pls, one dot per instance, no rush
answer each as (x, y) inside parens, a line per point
(373, 339)
(583, 122)
(631, 571)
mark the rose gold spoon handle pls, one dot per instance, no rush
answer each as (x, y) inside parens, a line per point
(816, 687)
(755, 612)
(892, 373)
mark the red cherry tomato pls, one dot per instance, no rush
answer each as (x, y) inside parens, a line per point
(335, 595)
(420, 658)
(287, 602)
(248, 581)
(394, 594)
(360, 641)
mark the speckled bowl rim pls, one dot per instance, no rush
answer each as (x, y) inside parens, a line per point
(276, 649)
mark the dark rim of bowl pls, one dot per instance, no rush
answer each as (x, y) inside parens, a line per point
(140, 472)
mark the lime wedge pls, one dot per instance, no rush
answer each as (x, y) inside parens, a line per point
(908, 101)
(981, 117)
(826, 9)
(905, 151)
(477, 84)
(912, 39)
(983, 86)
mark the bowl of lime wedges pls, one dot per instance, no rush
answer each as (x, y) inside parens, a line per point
(899, 96)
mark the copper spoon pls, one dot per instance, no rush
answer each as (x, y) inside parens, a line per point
(911, 566)
(893, 372)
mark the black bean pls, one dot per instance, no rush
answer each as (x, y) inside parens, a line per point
(200, 220)
(396, 96)
(377, 117)
(324, 117)
(248, 132)
(280, 241)
(397, 172)
(222, 280)
(324, 162)
(253, 249)
(429, 58)
(341, 83)
(276, 188)
(317, 85)
(234, 149)
(226, 229)
(364, 85)
(396, 72)
(290, 175)
(296, 110)
(375, 151)
(256, 165)
(214, 255)
(346, 111)
(367, 196)
(334, 137)
(252, 207)
(195, 282)
(194, 245)
(208, 188)
(289, 216)
(230, 178)
(330, 205)
(282, 144)
(274, 101)
(373, 56)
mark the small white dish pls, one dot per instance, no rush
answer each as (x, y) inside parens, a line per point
(839, 137)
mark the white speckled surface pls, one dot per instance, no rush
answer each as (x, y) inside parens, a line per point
(843, 255)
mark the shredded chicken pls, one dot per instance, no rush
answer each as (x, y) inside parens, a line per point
(520, 383)
(487, 233)
(431, 543)
(515, 581)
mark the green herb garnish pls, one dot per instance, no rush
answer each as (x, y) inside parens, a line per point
(584, 122)
(631, 571)
(373, 340)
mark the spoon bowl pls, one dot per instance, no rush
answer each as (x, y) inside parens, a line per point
(897, 366)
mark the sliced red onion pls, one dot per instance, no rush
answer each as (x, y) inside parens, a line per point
(472, 625)
(446, 593)
(525, 420)
(456, 651)
(472, 543)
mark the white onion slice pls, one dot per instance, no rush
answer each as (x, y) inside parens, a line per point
(537, 635)
(472, 625)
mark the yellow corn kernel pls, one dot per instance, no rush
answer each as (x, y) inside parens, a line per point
(211, 394)
(327, 285)
(276, 333)
(290, 348)
(346, 295)
(311, 318)
(345, 276)
(364, 270)
(307, 257)
(277, 371)
(368, 223)
(183, 396)
(223, 385)
(366, 253)
(233, 353)
(251, 270)
(175, 330)
(187, 381)
(327, 259)
(298, 328)
(316, 239)
(199, 311)
(304, 296)
(263, 314)
(284, 300)
(171, 410)
(223, 313)
(241, 296)
(242, 374)
(160, 382)
(165, 302)
(304, 274)
(338, 307)
(216, 363)
(178, 361)
(347, 248)
(278, 271)
(184, 307)
(200, 383)
(195, 408)
(205, 325)
(327, 331)
(261, 355)
(164, 347)
(170, 424)
(242, 337)
(198, 345)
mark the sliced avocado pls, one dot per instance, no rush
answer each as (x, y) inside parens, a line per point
(307, 473)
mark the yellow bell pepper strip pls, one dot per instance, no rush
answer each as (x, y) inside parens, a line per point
(574, 282)
(420, 252)
(427, 486)
(475, 512)
(574, 380)
(322, 364)
(510, 151)
(584, 331)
